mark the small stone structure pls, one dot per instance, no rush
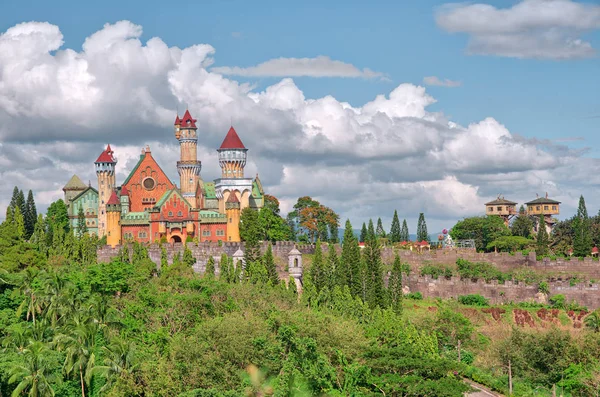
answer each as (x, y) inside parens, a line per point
(295, 267)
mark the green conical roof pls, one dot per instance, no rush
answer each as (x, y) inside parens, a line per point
(75, 184)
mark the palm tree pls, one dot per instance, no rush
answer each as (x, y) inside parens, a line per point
(592, 321)
(79, 343)
(119, 362)
(27, 289)
(53, 297)
(103, 314)
(34, 375)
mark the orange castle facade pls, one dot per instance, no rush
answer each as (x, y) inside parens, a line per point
(149, 207)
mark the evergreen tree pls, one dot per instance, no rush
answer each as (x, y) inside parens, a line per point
(317, 274)
(38, 238)
(370, 231)
(422, 234)
(582, 238)
(188, 257)
(19, 223)
(379, 231)
(164, 259)
(373, 270)
(363, 233)
(15, 197)
(224, 268)
(395, 286)
(542, 238)
(209, 271)
(81, 225)
(269, 263)
(350, 269)
(58, 216)
(404, 235)
(395, 232)
(250, 232)
(331, 267)
(30, 215)
(21, 203)
(522, 226)
(176, 259)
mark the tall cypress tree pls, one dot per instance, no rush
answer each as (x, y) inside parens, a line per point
(370, 230)
(341, 273)
(395, 286)
(209, 271)
(422, 234)
(269, 262)
(21, 203)
(188, 258)
(30, 215)
(379, 231)
(542, 238)
(350, 262)
(363, 233)
(331, 267)
(582, 239)
(224, 268)
(14, 198)
(404, 234)
(81, 225)
(317, 274)
(373, 269)
(395, 232)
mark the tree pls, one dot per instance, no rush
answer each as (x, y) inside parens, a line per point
(379, 231)
(482, 229)
(582, 239)
(395, 231)
(522, 226)
(164, 259)
(315, 220)
(363, 233)
(119, 362)
(350, 269)
(19, 223)
(188, 257)
(269, 263)
(510, 244)
(273, 226)
(210, 267)
(422, 234)
(373, 269)
(395, 286)
(250, 232)
(57, 216)
(542, 238)
(225, 271)
(317, 271)
(81, 224)
(30, 215)
(331, 267)
(404, 235)
(35, 374)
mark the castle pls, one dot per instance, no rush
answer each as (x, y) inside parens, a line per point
(148, 207)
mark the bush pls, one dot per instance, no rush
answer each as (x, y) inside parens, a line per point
(435, 271)
(414, 295)
(544, 288)
(558, 301)
(480, 270)
(473, 300)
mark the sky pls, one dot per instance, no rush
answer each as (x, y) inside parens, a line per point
(368, 107)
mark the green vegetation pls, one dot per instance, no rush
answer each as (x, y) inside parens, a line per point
(483, 229)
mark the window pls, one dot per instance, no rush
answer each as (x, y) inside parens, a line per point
(490, 209)
(149, 183)
(230, 220)
(545, 208)
(206, 233)
(170, 213)
(537, 207)
(142, 235)
(553, 208)
(179, 213)
(220, 232)
(229, 238)
(499, 209)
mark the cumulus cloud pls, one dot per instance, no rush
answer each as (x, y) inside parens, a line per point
(60, 107)
(544, 29)
(320, 66)
(435, 81)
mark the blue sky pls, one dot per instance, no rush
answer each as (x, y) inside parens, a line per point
(534, 98)
(551, 99)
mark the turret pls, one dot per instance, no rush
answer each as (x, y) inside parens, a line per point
(501, 207)
(105, 170)
(544, 206)
(113, 220)
(232, 210)
(124, 200)
(188, 166)
(232, 156)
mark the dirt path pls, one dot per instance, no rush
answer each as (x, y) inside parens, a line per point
(482, 391)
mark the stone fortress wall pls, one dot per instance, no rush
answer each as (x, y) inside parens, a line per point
(586, 293)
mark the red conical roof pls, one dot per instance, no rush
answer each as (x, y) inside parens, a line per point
(106, 156)
(187, 121)
(114, 200)
(124, 191)
(177, 121)
(232, 141)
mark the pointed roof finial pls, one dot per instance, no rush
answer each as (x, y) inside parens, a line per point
(232, 141)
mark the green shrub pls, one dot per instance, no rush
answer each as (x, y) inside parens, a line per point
(558, 301)
(414, 295)
(473, 300)
(544, 288)
(435, 271)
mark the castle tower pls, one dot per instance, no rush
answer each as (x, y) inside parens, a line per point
(547, 208)
(501, 207)
(113, 220)
(124, 200)
(105, 170)
(232, 209)
(188, 166)
(232, 156)
(295, 267)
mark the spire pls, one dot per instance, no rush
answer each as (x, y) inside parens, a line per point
(177, 120)
(106, 156)
(232, 141)
(187, 121)
(114, 200)
(74, 184)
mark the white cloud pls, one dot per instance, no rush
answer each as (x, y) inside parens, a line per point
(544, 29)
(435, 81)
(59, 107)
(320, 66)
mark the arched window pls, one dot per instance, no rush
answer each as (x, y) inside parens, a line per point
(295, 262)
